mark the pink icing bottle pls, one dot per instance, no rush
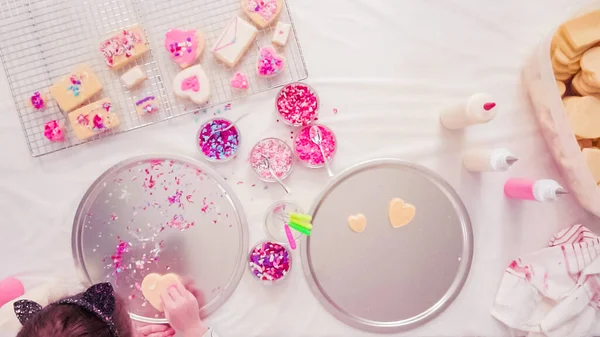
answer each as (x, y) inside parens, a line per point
(539, 190)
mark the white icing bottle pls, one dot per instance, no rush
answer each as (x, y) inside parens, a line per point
(484, 160)
(478, 109)
(542, 190)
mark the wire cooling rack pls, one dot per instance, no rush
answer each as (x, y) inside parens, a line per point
(43, 40)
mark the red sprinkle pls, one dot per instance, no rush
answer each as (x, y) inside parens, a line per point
(297, 104)
(489, 106)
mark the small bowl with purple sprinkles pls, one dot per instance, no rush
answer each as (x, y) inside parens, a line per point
(269, 262)
(222, 145)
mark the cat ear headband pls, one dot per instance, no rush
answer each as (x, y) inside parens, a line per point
(99, 299)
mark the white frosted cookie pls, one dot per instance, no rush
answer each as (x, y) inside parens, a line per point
(193, 84)
(262, 12)
(234, 41)
(281, 33)
(133, 77)
(184, 46)
(592, 156)
(154, 285)
(584, 117)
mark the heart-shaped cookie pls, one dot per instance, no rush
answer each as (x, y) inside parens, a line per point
(357, 223)
(239, 81)
(262, 12)
(184, 46)
(154, 285)
(192, 83)
(269, 62)
(401, 213)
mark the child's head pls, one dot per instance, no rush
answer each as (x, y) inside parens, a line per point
(96, 312)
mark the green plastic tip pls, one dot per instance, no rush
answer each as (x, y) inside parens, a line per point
(299, 228)
(301, 217)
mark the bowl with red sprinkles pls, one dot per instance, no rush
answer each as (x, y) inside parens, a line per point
(297, 104)
(222, 145)
(269, 262)
(280, 157)
(308, 152)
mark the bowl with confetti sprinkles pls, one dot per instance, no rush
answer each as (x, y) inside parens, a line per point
(217, 141)
(280, 158)
(269, 262)
(297, 104)
(308, 152)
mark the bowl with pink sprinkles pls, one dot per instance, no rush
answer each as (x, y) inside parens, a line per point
(280, 157)
(308, 152)
(222, 145)
(269, 262)
(297, 104)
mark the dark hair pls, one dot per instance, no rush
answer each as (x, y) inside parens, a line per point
(68, 320)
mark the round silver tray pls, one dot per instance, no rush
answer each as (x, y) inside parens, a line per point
(169, 214)
(387, 279)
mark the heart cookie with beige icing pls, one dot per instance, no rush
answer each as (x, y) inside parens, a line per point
(154, 285)
(357, 223)
(401, 213)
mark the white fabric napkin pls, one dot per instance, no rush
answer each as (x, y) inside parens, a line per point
(553, 292)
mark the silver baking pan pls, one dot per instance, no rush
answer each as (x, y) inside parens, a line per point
(387, 279)
(161, 214)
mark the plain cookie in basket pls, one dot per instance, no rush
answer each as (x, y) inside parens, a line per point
(561, 87)
(584, 117)
(592, 156)
(584, 31)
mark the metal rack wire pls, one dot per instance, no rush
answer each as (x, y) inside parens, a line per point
(42, 40)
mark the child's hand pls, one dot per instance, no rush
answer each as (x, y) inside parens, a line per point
(182, 312)
(155, 330)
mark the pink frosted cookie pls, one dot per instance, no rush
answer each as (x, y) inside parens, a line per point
(54, 131)
(37, 101)
(269, 62)
(239, 81)
(184, 46)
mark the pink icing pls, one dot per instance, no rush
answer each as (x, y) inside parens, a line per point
(239, 81)
(53, 131)
(190, 83)
(182, 45)
(269, 62)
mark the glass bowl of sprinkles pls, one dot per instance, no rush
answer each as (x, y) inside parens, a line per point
(297, 104)
(280, 157)
(276, 218)
(308, 152)
(269, 262)
(222, 145)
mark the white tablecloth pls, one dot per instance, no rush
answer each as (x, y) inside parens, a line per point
(387, 67)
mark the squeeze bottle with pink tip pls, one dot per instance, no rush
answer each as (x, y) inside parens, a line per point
(542, 190)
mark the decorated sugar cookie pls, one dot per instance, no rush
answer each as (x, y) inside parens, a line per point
(124, 47)
(281, 33)
(154, 285)
(37, 101)
(269, 62)
(54, 131)
(93, 119)
(262, 12)
(234, 41)
(239, 81)
(147, 106)
(193, 84)
(184, 46)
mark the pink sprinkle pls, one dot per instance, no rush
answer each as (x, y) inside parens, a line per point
(240, 182)
(54, 131)
(280, 158)
(335, 110)
(308, 152)
(297, 104)
(489, 106)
